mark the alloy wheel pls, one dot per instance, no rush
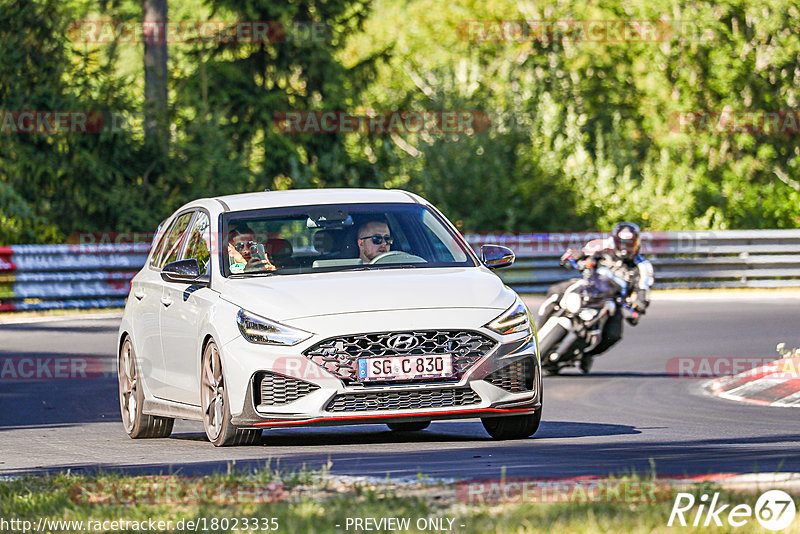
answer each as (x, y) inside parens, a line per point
(213, 393)
(128, 386)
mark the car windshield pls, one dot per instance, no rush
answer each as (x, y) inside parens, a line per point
(324, 238)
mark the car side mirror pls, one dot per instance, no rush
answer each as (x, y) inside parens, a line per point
(497, 257)
(183, 271)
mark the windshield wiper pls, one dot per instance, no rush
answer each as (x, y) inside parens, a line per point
(380, 267)
(248, 275)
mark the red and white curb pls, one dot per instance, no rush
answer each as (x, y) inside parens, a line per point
(774, 384)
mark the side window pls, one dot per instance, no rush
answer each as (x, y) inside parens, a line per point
(200, 243)
(158, 244)
(172, 242)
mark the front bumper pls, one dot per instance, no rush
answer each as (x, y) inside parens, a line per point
(477, 394)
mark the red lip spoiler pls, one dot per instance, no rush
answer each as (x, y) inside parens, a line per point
(287, 422)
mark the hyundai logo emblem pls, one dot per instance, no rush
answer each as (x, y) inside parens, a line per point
(402, 342)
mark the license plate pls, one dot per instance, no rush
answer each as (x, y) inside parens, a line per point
(405, 367)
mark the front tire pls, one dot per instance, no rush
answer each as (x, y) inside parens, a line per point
(513, 427)
(131, 398)
(216, 408)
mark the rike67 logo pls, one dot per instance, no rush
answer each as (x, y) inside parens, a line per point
(774, 510)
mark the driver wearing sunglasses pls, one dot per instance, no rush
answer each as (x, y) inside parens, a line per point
(242, 251)
(374, 239)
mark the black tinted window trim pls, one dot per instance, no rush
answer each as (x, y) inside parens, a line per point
(177, 216)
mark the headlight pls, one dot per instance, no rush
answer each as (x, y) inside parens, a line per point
(257, 329)
(573, 302)
(514, 320)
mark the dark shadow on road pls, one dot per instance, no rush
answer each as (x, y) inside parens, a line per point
(57, 402)
(436, 433)
(616, 374)
(569, 429)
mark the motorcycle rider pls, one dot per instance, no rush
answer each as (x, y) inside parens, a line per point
(620, 254)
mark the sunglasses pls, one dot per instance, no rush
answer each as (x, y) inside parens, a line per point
(245, 245)
(378, 239)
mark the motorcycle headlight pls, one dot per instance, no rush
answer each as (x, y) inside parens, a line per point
(514, 320)
(572, 302)
(256, 329)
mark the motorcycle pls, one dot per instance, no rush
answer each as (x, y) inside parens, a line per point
(572, 323)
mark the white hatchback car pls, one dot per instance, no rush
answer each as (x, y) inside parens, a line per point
(323, 307)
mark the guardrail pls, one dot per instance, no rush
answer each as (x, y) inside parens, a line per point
(693, 260)
(36, 277)
(41, 277)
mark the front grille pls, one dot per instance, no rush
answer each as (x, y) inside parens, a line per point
(515, 378)
(338, 355)
(403, 400)
(275, 389)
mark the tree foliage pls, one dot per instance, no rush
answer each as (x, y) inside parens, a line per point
(583, 133)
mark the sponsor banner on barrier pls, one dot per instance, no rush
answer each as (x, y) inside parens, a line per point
(75, 262)
(7, 290)
(87, 248)
(71, 290)
(36, 304)
(84, 276)
(5, 262)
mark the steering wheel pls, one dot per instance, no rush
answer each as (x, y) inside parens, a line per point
(396, 256)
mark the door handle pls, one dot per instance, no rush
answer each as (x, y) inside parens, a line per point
(139, 294)
(166, 301)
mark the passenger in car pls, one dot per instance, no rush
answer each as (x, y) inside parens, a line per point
(374, 239)
(245, 254)
(324, 242)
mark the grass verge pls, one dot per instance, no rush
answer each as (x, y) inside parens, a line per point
(316, 502)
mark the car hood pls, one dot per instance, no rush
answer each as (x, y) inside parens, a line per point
(286, 297)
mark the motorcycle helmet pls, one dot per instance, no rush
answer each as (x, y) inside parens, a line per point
(626, 239)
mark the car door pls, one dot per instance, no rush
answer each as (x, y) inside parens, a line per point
(185, 305)
(149, 293)
(145, 297)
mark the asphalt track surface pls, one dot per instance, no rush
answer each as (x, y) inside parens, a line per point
(632, 413)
